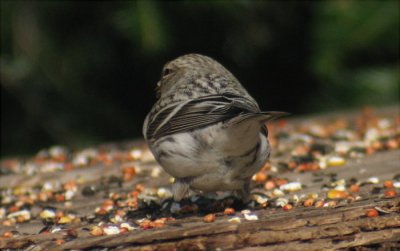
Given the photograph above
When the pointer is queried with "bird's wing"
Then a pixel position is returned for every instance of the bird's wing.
(200, 112)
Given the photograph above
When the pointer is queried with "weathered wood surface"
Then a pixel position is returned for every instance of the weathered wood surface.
(299, 229)
(302, 228)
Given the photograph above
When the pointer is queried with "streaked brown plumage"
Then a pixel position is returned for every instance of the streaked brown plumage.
(205, 129)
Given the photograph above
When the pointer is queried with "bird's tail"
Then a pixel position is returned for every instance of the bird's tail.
(271, 115)
(261, 117)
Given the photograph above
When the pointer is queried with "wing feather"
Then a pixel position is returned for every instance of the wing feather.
(200, 112)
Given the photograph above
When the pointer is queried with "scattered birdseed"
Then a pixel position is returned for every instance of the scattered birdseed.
(373, 180)
(229, 211)
(164, 193)
(155, 172)
(96, 231)
(21, 216)
(371, 213)
(56, 230)
(340, 188)
(291, 187)
(355, 188)
(250, 217)
(287, 207)
(127, 226)
(8, 234)
(111, 230)
(136, 154)
(336, 161)
(331, 203)
(122, 200)
(309, 202)
(65, 220)
(260, 177)
(388, 184)
(319, 203)
(260, 199)
(336, 194)
(47, 214)
(209, 218)
(278, 193)
(235, 220)
(281, 202)
(390, 193)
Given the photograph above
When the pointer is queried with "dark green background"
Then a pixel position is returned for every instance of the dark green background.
(79, 73)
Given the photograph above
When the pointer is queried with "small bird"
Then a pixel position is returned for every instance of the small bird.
(205, 130)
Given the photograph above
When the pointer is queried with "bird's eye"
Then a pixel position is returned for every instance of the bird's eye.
(166, 72)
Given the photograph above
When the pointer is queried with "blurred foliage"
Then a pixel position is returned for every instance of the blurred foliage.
(357, 53)
(78, 73)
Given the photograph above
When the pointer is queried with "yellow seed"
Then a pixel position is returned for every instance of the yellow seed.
(337, 194)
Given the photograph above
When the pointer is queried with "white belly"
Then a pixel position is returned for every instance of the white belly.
(214, 158)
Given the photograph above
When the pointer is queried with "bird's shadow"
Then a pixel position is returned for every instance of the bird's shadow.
(193, 206)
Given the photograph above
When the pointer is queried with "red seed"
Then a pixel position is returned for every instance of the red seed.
(287, 207)
(128, 173)
(355, 188)
(388, 183)
(229, 211)
(146, 224)
(108, 203)
(371, 213)
(60, 197)
(13, 209)
(390, 193)
(209, 218)
(280, 182)
(8, 234)
(101, 211)
(123, 230)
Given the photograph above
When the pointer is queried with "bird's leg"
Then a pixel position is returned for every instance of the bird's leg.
(180, 188)
(244, 193)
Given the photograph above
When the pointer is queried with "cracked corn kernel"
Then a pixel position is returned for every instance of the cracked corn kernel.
(308, 202)
(337, 194)
(96, 231)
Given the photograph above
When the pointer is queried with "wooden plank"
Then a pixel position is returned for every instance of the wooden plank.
(344, 225)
